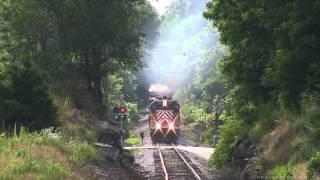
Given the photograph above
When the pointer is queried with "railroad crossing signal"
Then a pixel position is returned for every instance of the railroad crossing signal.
(122, 110)
(120, 117)
(119, 114)
(217, 122)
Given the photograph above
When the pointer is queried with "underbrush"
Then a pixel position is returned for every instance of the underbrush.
(197, 124)
(43, 155)
(229, 133)
(285, 138)
(133, 140)
(314, 167)
(282, 172)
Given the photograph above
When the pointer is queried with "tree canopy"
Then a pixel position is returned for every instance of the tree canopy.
(274, 46)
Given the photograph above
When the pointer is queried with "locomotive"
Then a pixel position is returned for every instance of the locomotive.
(164, 117)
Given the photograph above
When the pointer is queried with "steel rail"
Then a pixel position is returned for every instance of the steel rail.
(186, 163)
(166, 176)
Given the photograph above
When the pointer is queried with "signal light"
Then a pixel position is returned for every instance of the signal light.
(165, 102)
(119, 117)
(115, 110)
(216, 122)
(122, 110)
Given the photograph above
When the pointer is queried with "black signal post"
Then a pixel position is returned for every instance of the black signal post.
(217, 121)
(119, 115)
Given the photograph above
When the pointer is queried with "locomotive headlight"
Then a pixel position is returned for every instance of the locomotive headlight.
(170, 126)
(158, 126)
(164, 103)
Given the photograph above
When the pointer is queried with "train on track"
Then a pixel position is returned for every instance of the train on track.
(164, 117)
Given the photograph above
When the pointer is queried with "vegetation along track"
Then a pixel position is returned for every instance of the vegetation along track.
(172, 164)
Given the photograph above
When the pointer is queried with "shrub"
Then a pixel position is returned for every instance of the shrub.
(132, 140)
(282, 172)
(133, 111)
(229, 133)
(25, 99)
(314, 166)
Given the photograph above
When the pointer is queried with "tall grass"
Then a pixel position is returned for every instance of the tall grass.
(43, 155)
(282, 172)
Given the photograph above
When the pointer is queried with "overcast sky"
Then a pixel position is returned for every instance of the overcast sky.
(160, 5)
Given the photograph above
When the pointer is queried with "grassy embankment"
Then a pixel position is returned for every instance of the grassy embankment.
(287, 142)
(47, 154)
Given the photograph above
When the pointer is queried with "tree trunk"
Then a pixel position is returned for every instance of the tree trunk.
(98, 91)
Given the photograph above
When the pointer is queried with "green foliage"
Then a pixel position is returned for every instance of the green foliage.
(79, 152)
(123, 83)
(191, 113)
(272, 68)
(132, 111)
(125, 158)
(273, 49)
(42, 155)
(83, 39)
(229, 133)
(314, 166)
(282, 172)
(132, 140)
(25, 98)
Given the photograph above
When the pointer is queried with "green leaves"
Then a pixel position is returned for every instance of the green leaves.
(25, 98)
(272, 45)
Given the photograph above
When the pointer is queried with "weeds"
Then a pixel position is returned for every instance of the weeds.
(314, 166)
(282, 172)
(133, 140)
(43, 155)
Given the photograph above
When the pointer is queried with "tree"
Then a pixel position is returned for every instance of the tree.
(25, 98)
(103, 37)
(273, 49)
(93, 38)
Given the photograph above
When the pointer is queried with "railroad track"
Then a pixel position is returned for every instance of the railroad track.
(171, 164)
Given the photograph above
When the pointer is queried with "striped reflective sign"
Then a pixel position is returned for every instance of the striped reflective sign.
(164, 115)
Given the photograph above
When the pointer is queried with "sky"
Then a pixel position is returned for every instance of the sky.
(160, 5)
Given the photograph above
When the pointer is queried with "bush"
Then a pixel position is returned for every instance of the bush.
(126, 158)
(229, 133)
(314, 166)
(133, 111)
(282, 172)
(132, 140)
(25, 99)
(192, 113)
(198, 121)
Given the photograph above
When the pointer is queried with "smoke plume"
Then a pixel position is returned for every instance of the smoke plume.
(185, 38)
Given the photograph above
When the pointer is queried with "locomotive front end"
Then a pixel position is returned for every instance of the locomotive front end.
(164, 120)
